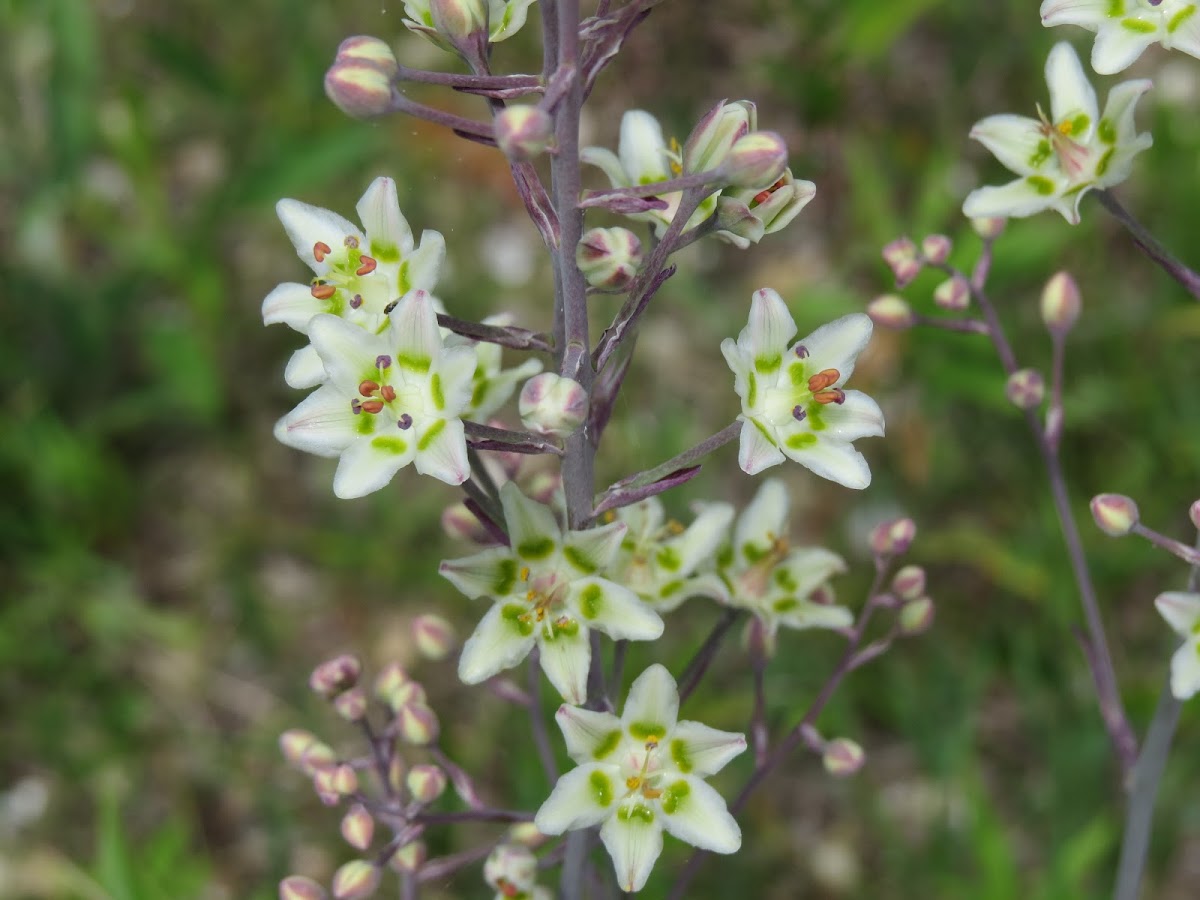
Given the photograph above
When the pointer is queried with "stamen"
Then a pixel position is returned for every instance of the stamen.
(356, 301)
(801, 351)
(823, 379)
(833, 395)
(323, 291)
(651, 793)
(373, 406)
(368, 388)
(351, 242)
(799, 413)
(383, 361)
(633, 782)
(355, 406)
(321, 250)
(524, 573)
(388, 393)
(404, 422)
(367, 267)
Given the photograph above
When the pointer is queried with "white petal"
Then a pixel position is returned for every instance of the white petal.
(1090, 14)
(308, 225)
(858, 417)
(293, 305)
(414, 332)
(508, 19)
(699, 750)
(304, 369)
(441, 451)
(491, 572)
(607, 162)
(1117, 48)
(1016, 199)
(836, 460)
(768, 331)
(323, 423)
(1180, 609)
(816, 615)
(1186, 37)
(454, 369)
(593, 550)
(591, 736)
(808, 568)
(531, 526)
(652, 706)
(347, 351)
(696, 814)
(499, 642)
(615, 610)
(387, 230)
(763, 521)
(1014, 140)
(370, 463)
(742, 365)
(755, 450)
(1185, 670)
(578, 799)
(1119, 108)
(565, 660)
(1070, 91)
(642, 150)
(644, 519)
(700, 542)
(634, 845)
(422, 267)
(837, 344)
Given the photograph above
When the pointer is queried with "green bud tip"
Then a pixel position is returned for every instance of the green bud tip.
(1115, 514)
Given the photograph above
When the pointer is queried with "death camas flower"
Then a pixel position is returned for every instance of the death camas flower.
(793, 403)
(1125, 28)
(1182, 612)
(546, 591)
(1061, 158)
(392, 399)
(641, 774)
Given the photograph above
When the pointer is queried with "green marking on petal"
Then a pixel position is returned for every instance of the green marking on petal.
(1107, 131)
(762, 429)
(725, 557)
(785, 605)
(601, 786)
(1102, 165)
(674, 796)
(1138, 26)
(636, 814)
(1179, 18)
(679, 753)
(751, 389)
(645, 731)
(518, 618)
(816, 417)
(1116, 8)
(365, 423)
(753, 553)
(1043, 152)
(506, 577)
(669, 559)
(385, 253)
(389, 444)
(607, 744)
(591, 599)
(768, 363)
(784, 578)
(482, 387)
(567, 628)
(797, 372)
(1042, 185)
(671, 587)
(413, 362)
(403, 279)
(801, 441)
(535, 548)
(578, 559)
(431, 435)
(1079, 124)
(435, 391)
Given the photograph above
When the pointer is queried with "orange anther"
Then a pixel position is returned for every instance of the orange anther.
(323, 291)
(368, 388)
(388, 393)
(835, 395)
(321, 250)
(823, 379)
(367, 267)
(372, 406)
(651, 793)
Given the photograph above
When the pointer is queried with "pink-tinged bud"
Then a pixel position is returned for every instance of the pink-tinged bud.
(336, 675)
(409, 692)
(1115, 514)
(316, 758)
(511, 867)
(526, 833)
(351, 705)
(936, 249)
(459, 522)
(418, 724)
(1194, 512)
(355, 880)
(297, 887)
(890, 311)
(989, 229)
(903, 259)
(524, 132)
(953, 294)
(542, 486)
(1061, 304)
(340, 780)
(358, 828)
(552, 405)
(756, 160)
(464, 24)
(410, 857)
(893, 537)
(367, 49)
(396, 773)
(909, 583)
(708, 146)
(1025, 389)
(916, 617)
(293, 743)
(390, 678)
(434, 636)
(359, 89)
(425, 783)
(609, 257)
(843, 757)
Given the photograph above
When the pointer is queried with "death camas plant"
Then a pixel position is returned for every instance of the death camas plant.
(564, 575)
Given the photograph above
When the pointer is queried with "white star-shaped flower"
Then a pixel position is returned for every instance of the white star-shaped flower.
(1125, 28)
(1182, 612)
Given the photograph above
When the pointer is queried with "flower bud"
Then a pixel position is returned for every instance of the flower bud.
(418, 724)
(359, 89)
(459, 522)
(340, 780)
(390, 678)
(936, 249)
(297, 887)
(843, 757)
(916, 617)
(1115, 514)
(902, 258)
(336, 675)
(756, 160)
(425, 783)
(510, 867)
(552, 405)
(609, 257)
(316, 758)
(351, 705)
(891, 311)
(709, 144)
(434, 636)
(909, 583)
(459, 20)
(409, 692)
(526, 833)
(1060, 303)
(355, 880)
(893, 537)
(410, 857)
(524, 132)
(989, 229)
(1025, 389)
(358, 827)
(953, 294)
(294, 742)
(371, 50)
(1194, 512)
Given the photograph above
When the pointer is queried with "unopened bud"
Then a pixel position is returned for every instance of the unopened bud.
(293, 743)
(359, 89)
(340, 779)
(358, 827)
(953, 294)
(909, 583)
(1060, 303)
(297, 887)
(390, 678)
(434, 636)
(989, 229)
(459, 20)
(395, 774)
(756, 160)
(843, 757)
(609, 257)
(418, 724)
(336, 675)
(409, 692)
(351, 705)
(355, 880)
(372, 50)
(410, 857)
(459, 522)
(890, 311)
(526, 833)
(552, 405)
(1194, 512)
(904, 261)
(936, 249)
(317, 757)
(1115, 514)
(524, 132)
(708, 146)
(425, 783)
(1025, 389)
(916, 617)
(511, 867)
(893, 537)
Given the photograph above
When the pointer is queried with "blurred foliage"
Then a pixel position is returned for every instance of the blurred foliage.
(170, 574)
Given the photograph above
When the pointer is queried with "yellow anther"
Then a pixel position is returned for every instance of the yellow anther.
(633, 782)
(675, 527)
(651, 793)
(676, 152)
(609, 516)
(524, 573)
(1064, 127)
(652, 744)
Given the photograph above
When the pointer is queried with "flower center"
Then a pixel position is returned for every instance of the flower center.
(546, 595)
(1074, 158)
(385, 393)
(347, 283)
(644, 779)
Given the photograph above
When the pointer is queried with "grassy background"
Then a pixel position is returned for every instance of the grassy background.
(170, 574)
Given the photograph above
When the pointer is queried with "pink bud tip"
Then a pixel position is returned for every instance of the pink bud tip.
(1115, 514)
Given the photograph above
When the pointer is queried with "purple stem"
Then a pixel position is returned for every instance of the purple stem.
(474, 815)
(1149, 245)
(541, 737)
(1183, 551)
(689, 679)
(479, 131)
(505, 335)
(615, 498)
(674, 464)
(683, 182)
(963, 326)
(498, 534)
(485, 437)
(626, 324)
(471, 83)
(439, 867)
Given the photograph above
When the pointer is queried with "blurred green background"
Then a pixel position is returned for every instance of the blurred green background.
(170, 574)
